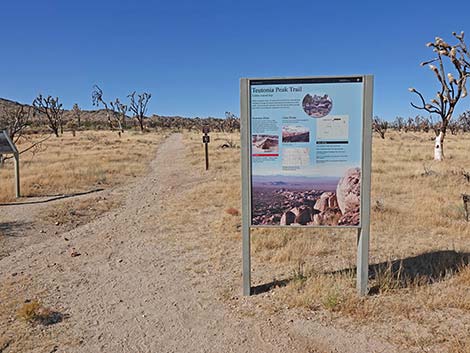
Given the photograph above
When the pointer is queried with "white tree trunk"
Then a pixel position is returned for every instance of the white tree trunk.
(439, 147)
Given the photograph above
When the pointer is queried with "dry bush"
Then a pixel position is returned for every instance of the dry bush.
(34, 312)
(78, 212)
(22, 320)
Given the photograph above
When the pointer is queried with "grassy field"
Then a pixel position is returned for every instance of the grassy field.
(419, 279)
(87, 161)
(419, 297)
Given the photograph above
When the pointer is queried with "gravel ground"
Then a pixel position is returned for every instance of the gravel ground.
(134, 287)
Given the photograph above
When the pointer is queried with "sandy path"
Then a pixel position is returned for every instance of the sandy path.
(140, 285)
(131, 289)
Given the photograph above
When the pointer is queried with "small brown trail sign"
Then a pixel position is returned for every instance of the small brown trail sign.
(206, 139)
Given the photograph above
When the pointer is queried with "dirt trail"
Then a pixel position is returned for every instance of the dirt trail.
(134, 288)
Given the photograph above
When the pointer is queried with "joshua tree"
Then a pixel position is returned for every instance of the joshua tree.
(464, 121)
(115, 111)
(52, 110)
(119, 111)
(232, 122)
(380, 126)
(452, 83)
(398, 123)
(77, 114)
(139, 107)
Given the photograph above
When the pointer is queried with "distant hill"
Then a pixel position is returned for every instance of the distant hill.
(98, 118)
(6, 103)
(87, 115)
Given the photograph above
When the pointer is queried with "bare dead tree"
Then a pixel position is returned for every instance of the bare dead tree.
(115, 111)
(139, 106)
(380, 126)
(452, 88)
(50, 108)
(15, 121)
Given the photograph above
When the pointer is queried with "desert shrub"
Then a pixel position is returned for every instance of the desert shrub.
(34, 312)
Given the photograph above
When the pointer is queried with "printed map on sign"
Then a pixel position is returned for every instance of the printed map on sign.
(333, 128)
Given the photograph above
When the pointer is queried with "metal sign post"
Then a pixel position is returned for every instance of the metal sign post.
(206, 139)
(246, 184)
(307, 141)
(8, 147)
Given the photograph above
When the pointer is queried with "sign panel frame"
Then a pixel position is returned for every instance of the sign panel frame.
(363, 228)
(14, 151)
(5, 138)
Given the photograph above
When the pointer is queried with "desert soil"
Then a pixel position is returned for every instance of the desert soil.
(143, 285)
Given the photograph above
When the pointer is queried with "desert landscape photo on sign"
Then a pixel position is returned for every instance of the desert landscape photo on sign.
(315, 201)
(295, 134)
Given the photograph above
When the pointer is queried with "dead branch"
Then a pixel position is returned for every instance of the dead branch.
(33, 146)
(15, 121)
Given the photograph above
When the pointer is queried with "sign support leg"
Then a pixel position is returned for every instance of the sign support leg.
(362, 275)
(246, 184)
(246, 261)
(17, 174)
(207, 156)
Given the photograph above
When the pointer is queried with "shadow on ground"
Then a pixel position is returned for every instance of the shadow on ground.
(264, 288)
(418, 270)
(13, 229)
(50, 198)
(422, 269)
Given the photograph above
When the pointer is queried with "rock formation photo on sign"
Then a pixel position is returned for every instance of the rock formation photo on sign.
(265, 143)
(317, 106)
(301, 201)
(292, 134)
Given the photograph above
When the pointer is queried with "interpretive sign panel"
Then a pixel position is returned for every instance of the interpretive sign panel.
(306, 157)
(306, 151)
(6, 145)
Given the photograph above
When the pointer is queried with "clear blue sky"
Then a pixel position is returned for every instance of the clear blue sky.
(191, 54)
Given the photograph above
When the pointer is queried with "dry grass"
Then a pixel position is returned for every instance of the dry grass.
(73, 213)
(27, 324)
(72, 164)
(419, 246)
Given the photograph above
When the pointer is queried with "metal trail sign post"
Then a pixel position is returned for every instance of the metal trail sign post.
(306, 158)
(8, 147)
(206, 139)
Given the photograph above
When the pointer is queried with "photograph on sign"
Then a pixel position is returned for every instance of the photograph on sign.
(306, 152)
